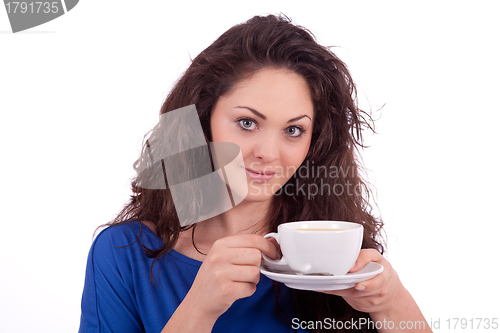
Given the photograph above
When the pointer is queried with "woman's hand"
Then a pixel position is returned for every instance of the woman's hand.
(374, 295)
(384, 297)
(229, 272)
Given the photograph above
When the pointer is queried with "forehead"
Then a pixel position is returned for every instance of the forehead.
(270, 91)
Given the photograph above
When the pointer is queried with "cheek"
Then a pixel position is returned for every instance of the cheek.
(216, 131)
(300, 152)
(246, 150)
(222, 131)
(228, 134)
(294, 159)
(291, 166)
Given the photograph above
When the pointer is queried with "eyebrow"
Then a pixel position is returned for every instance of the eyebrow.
(258, 114)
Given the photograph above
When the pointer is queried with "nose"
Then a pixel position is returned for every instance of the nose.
(267, 148)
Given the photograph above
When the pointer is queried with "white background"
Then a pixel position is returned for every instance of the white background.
(77, 95)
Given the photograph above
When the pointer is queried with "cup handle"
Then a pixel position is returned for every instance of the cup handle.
(280, 261)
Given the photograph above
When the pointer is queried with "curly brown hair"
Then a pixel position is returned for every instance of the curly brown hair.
(275, 42)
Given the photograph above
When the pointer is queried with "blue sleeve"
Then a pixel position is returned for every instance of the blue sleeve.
(108, 302)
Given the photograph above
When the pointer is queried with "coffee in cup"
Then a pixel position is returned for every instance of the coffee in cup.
(318, 246)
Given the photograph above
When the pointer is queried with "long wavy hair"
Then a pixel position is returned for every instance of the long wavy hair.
(332, 164)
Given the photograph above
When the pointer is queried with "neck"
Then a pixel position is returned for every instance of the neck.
(245, 218)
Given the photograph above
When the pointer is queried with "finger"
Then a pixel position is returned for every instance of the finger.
(368, 286)
(348, 293)
(365, 256)
(361, 289)
(245, 256)
(277, 246)
(351, 293)
(244, 273)
(375, 283)
(243, 289)
(254, 241)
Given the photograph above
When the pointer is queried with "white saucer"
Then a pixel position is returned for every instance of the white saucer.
(315, 282)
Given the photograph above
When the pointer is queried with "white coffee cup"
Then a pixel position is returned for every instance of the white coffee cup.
(318, 246)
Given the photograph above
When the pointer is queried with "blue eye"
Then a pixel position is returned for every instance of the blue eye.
(294, 131)
(246, 124)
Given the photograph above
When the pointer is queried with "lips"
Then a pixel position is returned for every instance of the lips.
(260, 175)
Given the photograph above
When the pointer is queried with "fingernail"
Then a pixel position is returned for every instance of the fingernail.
(361, 287)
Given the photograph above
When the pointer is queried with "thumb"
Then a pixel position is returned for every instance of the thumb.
(365, 256)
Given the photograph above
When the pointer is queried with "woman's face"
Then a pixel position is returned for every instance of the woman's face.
(270, 117)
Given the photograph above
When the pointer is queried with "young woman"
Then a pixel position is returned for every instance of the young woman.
(290, 105)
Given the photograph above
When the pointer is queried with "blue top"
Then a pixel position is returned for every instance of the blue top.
(119, 295)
